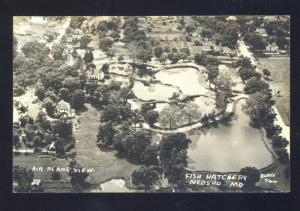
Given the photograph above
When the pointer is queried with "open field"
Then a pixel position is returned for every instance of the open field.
(105, 163)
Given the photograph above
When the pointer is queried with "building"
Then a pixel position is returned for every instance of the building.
(63, 108)
(36, 182)
(272, 48)
(262, 32)
(231, 19)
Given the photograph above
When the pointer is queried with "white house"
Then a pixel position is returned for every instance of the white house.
(63, 108)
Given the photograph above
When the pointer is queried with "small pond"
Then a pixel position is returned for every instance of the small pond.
(153, 92)
(188, 79)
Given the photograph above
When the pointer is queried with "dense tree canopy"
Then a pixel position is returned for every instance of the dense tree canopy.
(35, 50)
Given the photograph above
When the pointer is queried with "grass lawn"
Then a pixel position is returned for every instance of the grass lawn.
(105, 163)
(280, 75)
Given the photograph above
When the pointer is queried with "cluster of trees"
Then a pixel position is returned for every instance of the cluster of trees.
(171, 161)
(178, 114)
(253, 176)
(76, 22)
(40, 133)
(255, 41)
(150, 115)
(132, 31)
(226, 33)
(205, 59)
(209, 119)
(78, 177)
(279, 143)
(109, 28)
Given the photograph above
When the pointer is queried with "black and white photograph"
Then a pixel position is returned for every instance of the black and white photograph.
(151, 104)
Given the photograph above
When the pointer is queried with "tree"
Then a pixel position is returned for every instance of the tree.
(282, 42)
(76, 22)
(279, 142)
(62, 127)
(212, 73)
(37, 141)
(152, 117)
(106, 133)
(55, 175)
(253, 177)
(18, 90)
(23, 177)
(88, 57)
(42, 120)
(59, 147)
(255, 85)
(35, 50)
(174, 57)
(136, 144)
(16, 138)
(40, 92)
(224, 82)
(150, 155)
(50, 106)
(282, 154)
(158, 51)
(147, 107)
(120, 58)
(244, 62)
(173, 156)
(246, 73)
(144, 55)
(259, 108)
(105, 68)
(257, 21)
(266, 72)
(24, 120)
(105, 43)
(164, 58)
(78, 176)
(205, 59)
(255, 41)
(57, 51)
(115, 35)
(221, 101)
(145, 176)
(64, 94)
(78, 99)
(84, 41)
(116, 113)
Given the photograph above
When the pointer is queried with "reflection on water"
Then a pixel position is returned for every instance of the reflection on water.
(187, 79)
(229, 148)
(153, 92)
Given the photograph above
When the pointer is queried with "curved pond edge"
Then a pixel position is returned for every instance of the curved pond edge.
(266, 169)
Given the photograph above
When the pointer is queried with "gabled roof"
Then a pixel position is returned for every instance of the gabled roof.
(63, 105)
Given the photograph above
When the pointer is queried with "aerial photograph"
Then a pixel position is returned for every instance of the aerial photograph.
(153, 104)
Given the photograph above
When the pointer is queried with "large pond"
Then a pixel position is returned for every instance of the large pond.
(229, 148)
